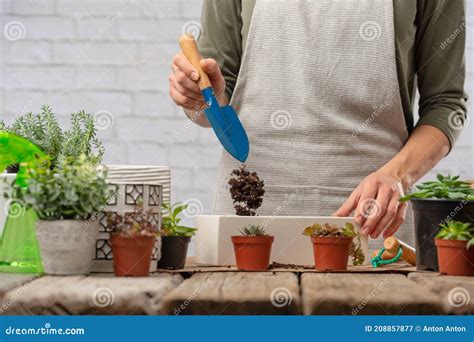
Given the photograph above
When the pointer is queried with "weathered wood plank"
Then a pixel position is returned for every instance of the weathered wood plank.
(9, 281)
(16, 284)
(91, 295)
(457, 293)
(366, 294)
(192, 267)
(235, 293)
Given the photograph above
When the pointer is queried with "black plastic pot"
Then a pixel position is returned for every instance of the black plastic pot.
(429, 214)
(173, 252)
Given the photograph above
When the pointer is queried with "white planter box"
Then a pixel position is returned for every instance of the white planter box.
(213, 245)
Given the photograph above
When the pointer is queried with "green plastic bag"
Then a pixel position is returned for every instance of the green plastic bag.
(19, 249)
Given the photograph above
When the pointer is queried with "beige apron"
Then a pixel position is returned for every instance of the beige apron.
(319, 97)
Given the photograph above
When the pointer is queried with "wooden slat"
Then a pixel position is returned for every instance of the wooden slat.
(91, 295)
(191, 267)
(366, 294)
(457, 293)
(10, 281)
(16, 284)
(235, 293)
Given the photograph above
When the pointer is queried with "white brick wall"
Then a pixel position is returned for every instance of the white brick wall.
(115, 55)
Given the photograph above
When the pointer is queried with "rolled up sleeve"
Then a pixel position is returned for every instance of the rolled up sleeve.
(439, 59)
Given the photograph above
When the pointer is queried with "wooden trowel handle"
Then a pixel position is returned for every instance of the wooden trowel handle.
(190, 50)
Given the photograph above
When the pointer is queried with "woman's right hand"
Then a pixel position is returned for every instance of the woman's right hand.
(184, 89)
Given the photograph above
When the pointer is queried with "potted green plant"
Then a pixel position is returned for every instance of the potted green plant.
(65, 199)
(454, 243)
(175, 238)
(252, 248)
(132, 239)
(332, 245)
(43, 130)
(435, 203)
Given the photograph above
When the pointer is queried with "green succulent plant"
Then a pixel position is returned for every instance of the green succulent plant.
(333, 230)
(171, 222)
(253, 230)
(446, 187)
(76, 189)
(44, 131)
(456, 230)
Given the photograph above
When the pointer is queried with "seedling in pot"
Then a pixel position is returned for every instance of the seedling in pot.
(252, 248)
(253, 230)
(133, 238)
(246, 190)
(434, 202)
(455, 247)
(175, 237)
(333, 244)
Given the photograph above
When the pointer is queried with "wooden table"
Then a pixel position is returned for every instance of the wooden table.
(394, 290)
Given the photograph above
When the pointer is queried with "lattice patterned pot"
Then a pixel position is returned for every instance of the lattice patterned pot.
(127, 196)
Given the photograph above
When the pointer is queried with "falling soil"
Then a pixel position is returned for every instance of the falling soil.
(246, 190)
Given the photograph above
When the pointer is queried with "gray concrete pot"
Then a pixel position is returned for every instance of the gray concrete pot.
(67, 246)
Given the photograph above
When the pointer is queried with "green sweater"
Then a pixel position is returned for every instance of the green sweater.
(429, 38)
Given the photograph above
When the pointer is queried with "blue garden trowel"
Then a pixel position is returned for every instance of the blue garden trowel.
(224, 120)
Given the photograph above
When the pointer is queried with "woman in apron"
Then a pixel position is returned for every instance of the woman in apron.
(325, 90)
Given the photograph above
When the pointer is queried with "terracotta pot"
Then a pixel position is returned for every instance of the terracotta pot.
(174, 250)
(454, 258)
(132, 254)
(331, 253)
(428, 214)
(252, 252)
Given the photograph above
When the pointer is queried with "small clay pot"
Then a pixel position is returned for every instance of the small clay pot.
(132, 254)
(428, 214)
(454, 258)
(252, 252)
(173, 252)
(331, 253)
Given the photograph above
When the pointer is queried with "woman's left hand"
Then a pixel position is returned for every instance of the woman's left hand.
(376, 205)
